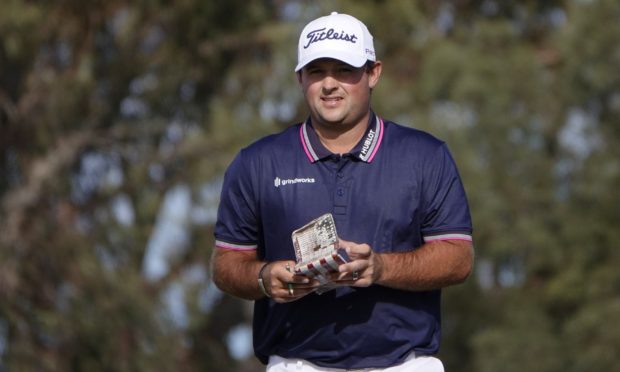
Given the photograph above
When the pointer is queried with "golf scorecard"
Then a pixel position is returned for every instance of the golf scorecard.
(316, 251)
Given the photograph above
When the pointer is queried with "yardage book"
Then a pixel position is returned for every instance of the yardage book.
(316, 250)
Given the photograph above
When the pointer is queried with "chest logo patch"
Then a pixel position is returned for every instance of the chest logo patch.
(277, 182)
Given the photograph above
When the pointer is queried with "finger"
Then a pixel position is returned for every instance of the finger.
(287, 293)
(348, 276)
(300, 279)
(288, 275)
(293, 293)
(354, 250)
(306, 286)
(289, 267)
(344, 243)
(350, 267)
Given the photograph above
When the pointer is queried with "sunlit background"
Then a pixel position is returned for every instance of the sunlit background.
(118, 119)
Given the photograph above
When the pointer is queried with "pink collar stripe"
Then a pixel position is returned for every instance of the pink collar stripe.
(305, 142)
(379, 127)
(373, 140)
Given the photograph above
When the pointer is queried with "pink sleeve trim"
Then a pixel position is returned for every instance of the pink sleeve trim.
(436, 238)
(235, 247)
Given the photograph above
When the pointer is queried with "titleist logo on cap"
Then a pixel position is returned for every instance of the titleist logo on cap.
(337, 36)
(320, 34)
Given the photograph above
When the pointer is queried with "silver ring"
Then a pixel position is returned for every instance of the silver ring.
(355, 275)
(290, 289)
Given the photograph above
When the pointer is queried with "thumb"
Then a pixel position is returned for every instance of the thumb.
(354, 250)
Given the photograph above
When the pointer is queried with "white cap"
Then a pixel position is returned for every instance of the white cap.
(338, 36)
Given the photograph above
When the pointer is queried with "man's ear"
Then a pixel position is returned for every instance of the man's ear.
(374, 73)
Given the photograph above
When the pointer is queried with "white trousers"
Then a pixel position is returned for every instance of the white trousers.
(411, 364)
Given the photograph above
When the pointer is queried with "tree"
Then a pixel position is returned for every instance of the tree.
(106, 111)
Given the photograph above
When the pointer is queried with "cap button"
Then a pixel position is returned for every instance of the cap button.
(334, 13)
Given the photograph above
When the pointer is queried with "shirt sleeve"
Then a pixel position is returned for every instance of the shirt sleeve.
(237, 223)
(445, 208)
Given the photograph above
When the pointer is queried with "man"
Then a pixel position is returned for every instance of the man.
(398, 205)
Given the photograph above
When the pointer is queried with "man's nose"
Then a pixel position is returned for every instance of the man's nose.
(329, 83)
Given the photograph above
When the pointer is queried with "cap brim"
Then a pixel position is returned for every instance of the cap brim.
(350, 59)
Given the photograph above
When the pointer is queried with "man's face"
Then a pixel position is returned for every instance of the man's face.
(338, 94)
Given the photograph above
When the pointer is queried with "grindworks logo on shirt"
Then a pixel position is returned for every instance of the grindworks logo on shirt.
(277, 182)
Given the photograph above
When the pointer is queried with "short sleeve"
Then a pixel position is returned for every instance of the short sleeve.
(445, 208)
(237, 222)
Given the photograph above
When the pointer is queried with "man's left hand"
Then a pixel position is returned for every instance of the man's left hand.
(364, 268)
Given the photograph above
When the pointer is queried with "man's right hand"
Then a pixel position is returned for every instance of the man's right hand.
(283, 285)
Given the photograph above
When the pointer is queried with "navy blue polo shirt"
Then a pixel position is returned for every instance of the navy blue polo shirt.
(396, 190)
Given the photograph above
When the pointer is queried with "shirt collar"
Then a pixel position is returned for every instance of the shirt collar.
(365, 150)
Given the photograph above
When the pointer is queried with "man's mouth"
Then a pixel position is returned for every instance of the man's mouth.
(331, 99)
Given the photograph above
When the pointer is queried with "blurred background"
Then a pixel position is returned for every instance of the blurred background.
(118, 118)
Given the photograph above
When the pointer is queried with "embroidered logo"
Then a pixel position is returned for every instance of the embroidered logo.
(331, 34)
(368, 142)
(277, 182)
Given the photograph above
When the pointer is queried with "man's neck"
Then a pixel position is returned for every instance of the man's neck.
(341, 139)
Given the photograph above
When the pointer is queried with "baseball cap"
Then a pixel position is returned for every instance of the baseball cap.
(338, 36)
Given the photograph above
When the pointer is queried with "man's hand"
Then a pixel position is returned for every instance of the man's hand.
(236, 273)
(365, 267)
(432, 266)
(283, 285)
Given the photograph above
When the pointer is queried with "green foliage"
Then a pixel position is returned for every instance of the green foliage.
(524, 340)
(103, 110)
